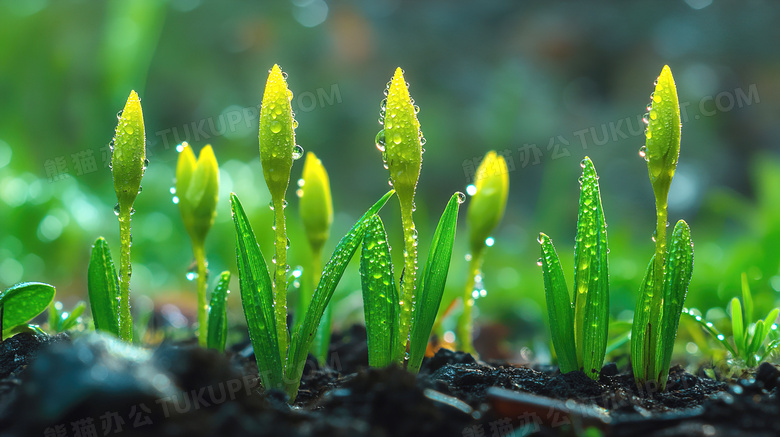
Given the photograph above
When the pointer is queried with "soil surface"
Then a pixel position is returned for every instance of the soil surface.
(96, 386)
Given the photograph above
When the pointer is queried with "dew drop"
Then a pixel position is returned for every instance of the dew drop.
(490, 241)
(140, 188)
(276, 126)
(416, 109)
(117, 209)
(397, 138)
(173, 190)
(461, 197)
(653, 114)
(175, 200)
(191, 275)
(297, 152)
(380, 140)
(146, 164)
(583, 163)
(539, 262)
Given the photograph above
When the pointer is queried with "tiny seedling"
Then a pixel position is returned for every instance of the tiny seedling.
(580, 325)
(21, 303)
(748, 337)
(316, 210)
(103, 288)
(488, 202)
(663, 289)
(197, 191)
(61, 320)
(401, 322)
(128, 163)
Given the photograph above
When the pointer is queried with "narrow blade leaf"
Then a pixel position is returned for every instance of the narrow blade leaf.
(217, 329)
(431, 286)
(380, 296)
(331, 275)
(737, 327)
(747, 298)
(257, 299)
(642, 329)
(103, 287)
(22, 302)
(591, 276)
(559, 307)
(677, 276)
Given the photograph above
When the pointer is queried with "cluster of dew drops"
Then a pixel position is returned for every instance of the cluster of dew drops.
(651, 114)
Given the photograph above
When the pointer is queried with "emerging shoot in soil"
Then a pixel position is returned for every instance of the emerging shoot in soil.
(197, 188)
(488, 202)
(663, 290)
(579, 328)
(128, 163)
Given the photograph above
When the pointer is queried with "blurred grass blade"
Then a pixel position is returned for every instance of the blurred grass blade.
(257, 300)
(70, 319)
(331, 275)
(380, 296)
(103, 287)
(217, 329)
(737, 328)
(747, 298)
(677, 276)
(591, 276)
(559, 308)
(22, 302)
(759, 335)
(713, 331)
(432, 282)
(642, 329)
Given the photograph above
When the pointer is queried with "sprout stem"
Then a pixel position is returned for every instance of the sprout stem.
(125, 271)
(202, 275)
(658, 286)
(280, 276)
(465, 324)
(410, 271)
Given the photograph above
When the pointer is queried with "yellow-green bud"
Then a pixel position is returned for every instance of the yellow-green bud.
(128, 160)
(489, 201)
(197, 187)
(662, 147)
(277, 133)
(316, 205)
(401, 139)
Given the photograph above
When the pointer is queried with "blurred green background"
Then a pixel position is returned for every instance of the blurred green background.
(544, 84)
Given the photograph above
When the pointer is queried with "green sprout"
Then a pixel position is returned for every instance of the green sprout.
(103, 288)
(197, 188)
(61, 320)
(579, 327)
(401, 143)
(316, 211)
(21, 303)
(128, 163)
(487, 206)
(748, 336)
(663, 289)
(400, 322)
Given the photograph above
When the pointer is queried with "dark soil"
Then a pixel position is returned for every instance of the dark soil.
(95, 386)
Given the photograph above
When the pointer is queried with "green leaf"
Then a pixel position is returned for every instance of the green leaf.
(642, 329)
(677, 276)
(217, 329)
(380, 296)
(331, 275)
(737, 326)
(747, 299)
(559, 308)
(257, 300)
(22, 302)
(713, 331)
(591, 276)
(432, 282)
(103, 287)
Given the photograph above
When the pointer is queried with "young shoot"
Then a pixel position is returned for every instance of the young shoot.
(197, 188)
(488, 202)
(316, 211)
(128, 163)
(748, 336)
(21, 303)
(663, 290)
(579, 326)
